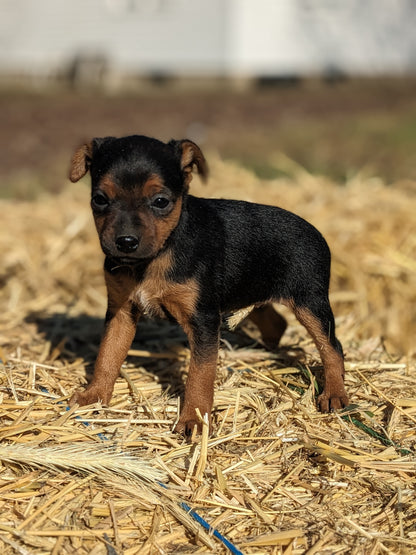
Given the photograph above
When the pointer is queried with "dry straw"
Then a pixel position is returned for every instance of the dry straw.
(276, 476)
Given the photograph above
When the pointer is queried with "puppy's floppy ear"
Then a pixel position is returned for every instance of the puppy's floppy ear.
(190, 155)
(80, 162)
(82, 158)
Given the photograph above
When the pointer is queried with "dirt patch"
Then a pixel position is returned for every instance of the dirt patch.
(336, 130)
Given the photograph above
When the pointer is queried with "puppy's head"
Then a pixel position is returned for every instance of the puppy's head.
(138, 189)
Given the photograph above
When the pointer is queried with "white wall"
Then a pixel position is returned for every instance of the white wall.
(140, 35)
(248, 37)
(314, 36)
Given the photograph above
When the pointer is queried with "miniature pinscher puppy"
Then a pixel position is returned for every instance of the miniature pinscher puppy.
(193, 259)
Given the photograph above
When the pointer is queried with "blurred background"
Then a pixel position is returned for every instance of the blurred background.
(309, 104)
(330, 83)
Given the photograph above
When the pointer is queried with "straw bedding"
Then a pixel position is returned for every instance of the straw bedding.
(276, 476)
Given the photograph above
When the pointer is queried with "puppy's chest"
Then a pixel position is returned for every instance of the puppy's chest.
(156, 295)
(151, 299)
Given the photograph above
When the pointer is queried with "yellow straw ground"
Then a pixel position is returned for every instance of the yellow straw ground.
(276, 476)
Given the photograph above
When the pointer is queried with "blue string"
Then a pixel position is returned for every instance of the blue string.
(214, 531)
(182, 504)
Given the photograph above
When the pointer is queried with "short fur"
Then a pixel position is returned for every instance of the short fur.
(195, 259)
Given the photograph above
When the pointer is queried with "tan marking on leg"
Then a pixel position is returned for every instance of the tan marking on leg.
(334, 395)
(199, 390)
(180, 300)
(118, 336)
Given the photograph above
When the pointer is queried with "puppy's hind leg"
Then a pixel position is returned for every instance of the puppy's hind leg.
(270, 323)
(317, 317)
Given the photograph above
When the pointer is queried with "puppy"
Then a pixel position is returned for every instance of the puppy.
(193, 259)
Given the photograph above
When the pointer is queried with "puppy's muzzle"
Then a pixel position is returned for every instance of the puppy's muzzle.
(127, 243)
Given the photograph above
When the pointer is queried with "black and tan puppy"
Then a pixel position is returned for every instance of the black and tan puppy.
(193, 259)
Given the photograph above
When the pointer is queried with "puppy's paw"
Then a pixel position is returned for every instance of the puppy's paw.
(90, 396)
(190, 426)
(333, 399)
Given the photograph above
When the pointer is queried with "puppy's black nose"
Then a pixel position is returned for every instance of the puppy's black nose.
(127, 243)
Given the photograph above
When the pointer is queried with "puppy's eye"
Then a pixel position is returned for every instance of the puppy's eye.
(160, 203)
(99, 201)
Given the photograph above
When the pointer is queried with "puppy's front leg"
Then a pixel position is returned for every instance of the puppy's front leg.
(199, 391)
(120, 328)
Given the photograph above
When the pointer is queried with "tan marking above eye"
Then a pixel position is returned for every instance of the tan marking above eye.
(153, 185)
(108, 187)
